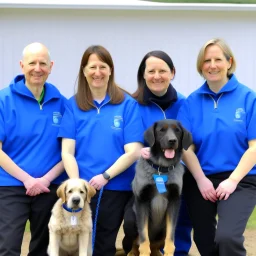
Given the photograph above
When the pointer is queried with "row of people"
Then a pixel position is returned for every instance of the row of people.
(98, 134)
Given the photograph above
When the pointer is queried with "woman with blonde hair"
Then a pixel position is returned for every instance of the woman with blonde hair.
(221, 115)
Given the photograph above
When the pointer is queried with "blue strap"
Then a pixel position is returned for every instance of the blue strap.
(70, 209)
(95, 219)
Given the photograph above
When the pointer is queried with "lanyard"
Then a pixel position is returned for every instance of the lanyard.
(41, 97)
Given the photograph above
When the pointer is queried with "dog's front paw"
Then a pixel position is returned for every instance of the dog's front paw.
(145, 252)
(169, 249)
(144, 249)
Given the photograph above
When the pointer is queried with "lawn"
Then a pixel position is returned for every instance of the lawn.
(207, 1)
(252, 221)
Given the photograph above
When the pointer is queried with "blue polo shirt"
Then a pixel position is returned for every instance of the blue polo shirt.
(100, 134)
(221, 124)
(152, 112)
(29, 132)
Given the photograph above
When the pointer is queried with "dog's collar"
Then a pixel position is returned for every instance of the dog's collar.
(70, 209)
(161, 169)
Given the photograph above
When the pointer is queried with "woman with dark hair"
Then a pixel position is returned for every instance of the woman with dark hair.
(157, 100)
(100, 143)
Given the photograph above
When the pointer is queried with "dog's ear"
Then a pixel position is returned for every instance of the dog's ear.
(90, 191)
(61, 191)
(187, 139)
(149, 135)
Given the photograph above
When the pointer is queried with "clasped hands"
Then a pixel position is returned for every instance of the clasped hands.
(223, 191)
(36, 186)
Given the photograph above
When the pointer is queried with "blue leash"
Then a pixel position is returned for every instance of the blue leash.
(95, 219)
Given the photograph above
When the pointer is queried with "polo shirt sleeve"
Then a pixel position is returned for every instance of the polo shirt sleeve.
(2, 130)
(133, 127)
(68, 126)
(251, 118)
(183, 116)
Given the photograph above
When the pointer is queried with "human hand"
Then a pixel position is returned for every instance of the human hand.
(34, 187)
(44, 181)
(226, 188)
(207, 190)
(98, 181)
(145, 153)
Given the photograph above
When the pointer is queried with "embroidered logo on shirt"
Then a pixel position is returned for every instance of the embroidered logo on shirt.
(118, 122)
(239, 115)
(56, 118)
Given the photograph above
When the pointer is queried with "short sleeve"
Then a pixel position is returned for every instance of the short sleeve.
(68, 126)
(133, 127)
(2, 129)
(251, 119)
(183, 116)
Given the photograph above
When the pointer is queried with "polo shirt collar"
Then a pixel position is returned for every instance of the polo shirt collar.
(228, 87)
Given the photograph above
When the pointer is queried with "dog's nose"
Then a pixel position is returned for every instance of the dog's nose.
(172, 142)
(76, 200)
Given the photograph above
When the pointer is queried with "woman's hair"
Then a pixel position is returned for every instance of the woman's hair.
(139, 93)
(83, 96)
(226, 51)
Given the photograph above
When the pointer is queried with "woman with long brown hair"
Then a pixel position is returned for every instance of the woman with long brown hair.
(101, 139)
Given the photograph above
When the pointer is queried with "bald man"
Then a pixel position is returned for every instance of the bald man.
(30, 153)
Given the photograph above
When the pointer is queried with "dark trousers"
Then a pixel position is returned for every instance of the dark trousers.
(225, 237)
(15, 209)
(110, 217)
(182, 236)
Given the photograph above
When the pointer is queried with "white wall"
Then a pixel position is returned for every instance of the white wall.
(128, 35)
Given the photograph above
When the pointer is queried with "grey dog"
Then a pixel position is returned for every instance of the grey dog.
(157, 187)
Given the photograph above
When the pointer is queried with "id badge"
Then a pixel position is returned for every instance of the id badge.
(73, 220)
(160, 182)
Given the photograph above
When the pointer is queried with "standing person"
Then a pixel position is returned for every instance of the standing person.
(221, 115)
(101, 139)
(30, 153)
(158, 100)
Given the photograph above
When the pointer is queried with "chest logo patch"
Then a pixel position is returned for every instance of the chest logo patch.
(239, 114)
(56, 118)
(118, 122)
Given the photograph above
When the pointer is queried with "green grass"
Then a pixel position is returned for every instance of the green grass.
(207, 1)
(252, 221)
(27, 229)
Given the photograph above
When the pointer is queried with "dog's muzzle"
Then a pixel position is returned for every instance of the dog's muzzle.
(76, 201)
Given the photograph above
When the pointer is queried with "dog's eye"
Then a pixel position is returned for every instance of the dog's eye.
(81, 191)
(177, 129)
(70, 191)
(162, 129)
